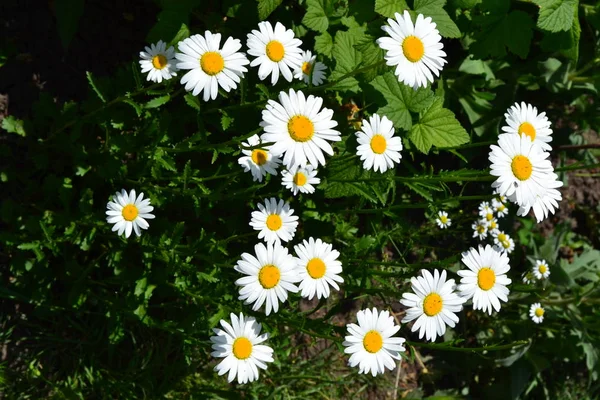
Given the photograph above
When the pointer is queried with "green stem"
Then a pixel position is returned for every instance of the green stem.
(345, 76)
(436, 346)
(210, 146)
(576, 167)
(418, 205)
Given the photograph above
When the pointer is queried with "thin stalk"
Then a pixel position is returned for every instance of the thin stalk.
(437, 346)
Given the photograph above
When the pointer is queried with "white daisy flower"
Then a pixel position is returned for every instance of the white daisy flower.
(500, 208)
(311, 70)
(480, 229)
(370, 343)
(433, 304)
(158, 62)
(415, 50)
(524, 119)
(377, 145)
(522, 169)
(299, 129)
(300, 179)
(128, 213)
(210, 66)
(506, 246)
(528, 278)
(318, 268)
(500, 198)
(492, 225)
(258, 161)
(270, 276)
(276, 50)
(442, 220)
(239, 343)
(485, 281)
(545, 204)
(541, 270)
(275, 221)
(536, 312)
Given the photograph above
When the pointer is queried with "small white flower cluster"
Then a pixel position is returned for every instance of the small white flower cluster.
(487, 224)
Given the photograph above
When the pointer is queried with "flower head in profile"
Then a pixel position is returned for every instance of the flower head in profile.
(258, 161)
(536, 312)
(277, 51)
(129, 213)
(442, 220)
(241, 345)
(414, 49)
(158, 62)
(433, 304)
(299, 128)
(210, 65)
(371, 343)
(270, 275)
(378, 148)
(485, 279)
(311, 70)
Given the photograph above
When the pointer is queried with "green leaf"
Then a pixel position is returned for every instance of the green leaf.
(565, 43)
(556, 15)
(136, 106)
(183, 33)
(158, 101)
(170, 20)
(435, 10)
(513, 31)
(266, 7)
(192, 101)
(317, 12)
(226, 121)
(324, 44)
(388, 8)
(94, 86)
(347, 59)
(12, 125)
(68, 13)
(401, 99)
(438, 127)
(371, 54)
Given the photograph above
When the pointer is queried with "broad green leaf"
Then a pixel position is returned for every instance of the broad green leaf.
(316, 14)
(158, 101)
(565, 43)
(170, 20)
(513, 31)
(68, 13)
(371, 54)
(347, 59)
(183, 33)
(435, 10)
(12, 125)
(388, 8)
(401, 99)
(556, 15)
(266, 7)
(192, 101)
(324, 44)
(438, 127)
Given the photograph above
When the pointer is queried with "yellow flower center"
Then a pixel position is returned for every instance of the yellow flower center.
(542, 269)
(489, 216)
(316, 268)
(413, 48)
(539, 312)
(501, 237)
(493, 225)
(443, 219)
(505, 244)
(212, 62)
(130, 212)
(259, 157)
(269, 276)
(521, 167)
(242, 348)
(274, 222)
(480, 228)
(300, 179)
(527, 129)
(159, 61)
(486, 278)
(307, 67)
(373, 342)
(378, 144)
(501, 207)
(432, 304)
(300, 128)
(275, 51)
